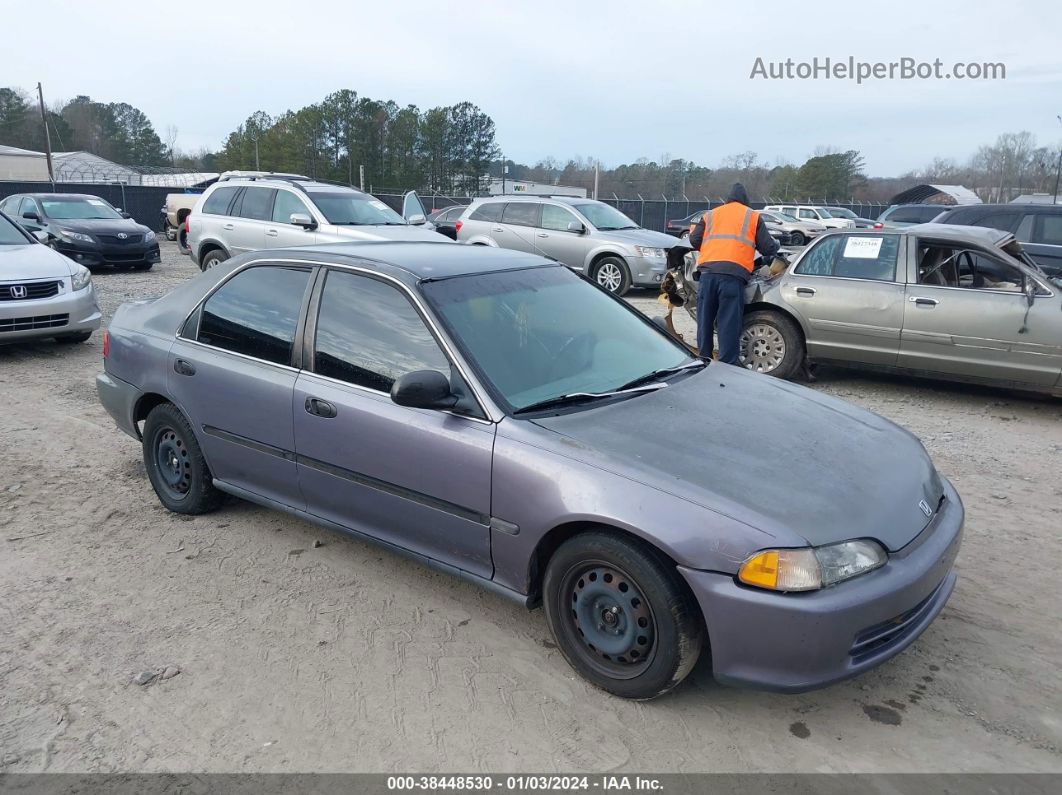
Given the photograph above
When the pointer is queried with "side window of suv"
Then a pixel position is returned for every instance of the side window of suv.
(521, 213)
(287, 205)
(257, 204)
(256, 313)
(218, 202)
(554, 217)
(490, 211)
(369, 334)
(1049, 230)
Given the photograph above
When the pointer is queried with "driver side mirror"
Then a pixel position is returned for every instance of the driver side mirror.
(32, 216)
(303, 220)
(576, 226)
(423, 389)
(417, 219)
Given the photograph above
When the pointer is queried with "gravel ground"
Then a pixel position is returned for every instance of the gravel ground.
(263, 651)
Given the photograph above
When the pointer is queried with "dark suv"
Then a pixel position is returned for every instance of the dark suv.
(1037, 226)
(86, 228)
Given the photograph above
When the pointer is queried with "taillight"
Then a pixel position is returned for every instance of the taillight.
(879, 225)
(458, 225)
(106, 344)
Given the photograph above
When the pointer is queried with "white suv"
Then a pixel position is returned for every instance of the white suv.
(810, 212)
(252, 211)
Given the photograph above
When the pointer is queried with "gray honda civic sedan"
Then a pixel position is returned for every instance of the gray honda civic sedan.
(494, 414)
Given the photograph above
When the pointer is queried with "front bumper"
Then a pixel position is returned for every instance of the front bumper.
(119, 398)
(800, 641)
(647, 271)
(89, 254)
(65, 313)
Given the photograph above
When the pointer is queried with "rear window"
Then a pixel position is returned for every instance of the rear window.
(491, 211)
(217, 203)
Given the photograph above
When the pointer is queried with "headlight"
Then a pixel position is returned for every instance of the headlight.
(149, 237)
(647, 251)
(82, 278)
(69, 235)
(811, 568)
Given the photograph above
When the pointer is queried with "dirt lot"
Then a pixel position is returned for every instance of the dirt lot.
(340, 657)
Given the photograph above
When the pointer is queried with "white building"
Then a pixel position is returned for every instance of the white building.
(23, 165)
(519, 186)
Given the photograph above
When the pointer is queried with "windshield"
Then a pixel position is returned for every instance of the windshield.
(840, 212)
(604, 217)
(355, 209)
(81, 209)
(9, 234)
(540, 333)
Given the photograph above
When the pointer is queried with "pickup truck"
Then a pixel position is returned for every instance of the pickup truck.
(178, 205)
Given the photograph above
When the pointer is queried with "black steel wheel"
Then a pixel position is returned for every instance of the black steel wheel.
(621, 615)
(175, 464)
(797, 239)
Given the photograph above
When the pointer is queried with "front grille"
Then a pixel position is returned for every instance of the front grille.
(30, 323)
(881, 637)
(33, 290)
(114, 240)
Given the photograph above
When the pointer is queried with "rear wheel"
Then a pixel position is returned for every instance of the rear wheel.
(613, 274)
(175, 464)
(621, 615)
(212, 258)
(797, 239)
(771, 344)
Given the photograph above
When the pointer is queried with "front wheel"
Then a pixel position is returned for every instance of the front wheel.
(175, 464)
(621, 615)
(613, 274)
(771, 344)
(797, 239)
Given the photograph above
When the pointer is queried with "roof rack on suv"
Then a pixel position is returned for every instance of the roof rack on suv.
(296, 180)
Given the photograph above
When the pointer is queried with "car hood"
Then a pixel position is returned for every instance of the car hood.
(779, 457)
(410, 232)
(639, 237)
(33, 261)
(100, 226)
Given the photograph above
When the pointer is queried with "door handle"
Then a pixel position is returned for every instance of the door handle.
(320, 408)
(542, 234)
(271, 233)
(181, 367)
(497, 229)
(228, 227)
(805, 291)
(917, 299)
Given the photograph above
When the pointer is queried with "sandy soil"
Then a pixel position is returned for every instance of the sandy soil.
(291, 656)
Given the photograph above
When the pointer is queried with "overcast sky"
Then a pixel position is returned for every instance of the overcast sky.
(614, 80)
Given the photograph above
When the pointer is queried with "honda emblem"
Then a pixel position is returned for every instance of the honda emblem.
(925, 507)
(18, 291)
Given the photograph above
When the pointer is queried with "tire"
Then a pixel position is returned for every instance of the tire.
(70, 339)
(771, 344)
(175, 464)
(654, 639)
(797, 239)
(170, 232)
(612, 274)
(213, 258)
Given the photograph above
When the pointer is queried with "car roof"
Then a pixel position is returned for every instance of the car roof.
(984, 235)
(61, 196)
(1012, 208)
(421, 260)
(506, 197)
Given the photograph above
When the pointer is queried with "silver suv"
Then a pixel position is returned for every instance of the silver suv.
(588, 236)
(250, 211)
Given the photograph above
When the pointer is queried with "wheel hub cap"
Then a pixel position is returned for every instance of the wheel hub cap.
(609, 277)
(171, 456)
(762, 348)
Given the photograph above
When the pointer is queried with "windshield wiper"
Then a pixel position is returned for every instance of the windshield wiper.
(661, 373)
(573, 398)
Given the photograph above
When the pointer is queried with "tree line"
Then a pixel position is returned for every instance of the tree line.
(116, 131)
(446, 149)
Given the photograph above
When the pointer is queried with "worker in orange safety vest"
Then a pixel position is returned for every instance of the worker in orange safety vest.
(726, 240)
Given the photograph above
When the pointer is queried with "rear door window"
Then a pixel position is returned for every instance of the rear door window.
(853, 257)
(1049, 230)
(256, 313)
(522, 213)
(1004, 221)
(491, 211)
(218, 202)
(257, 204)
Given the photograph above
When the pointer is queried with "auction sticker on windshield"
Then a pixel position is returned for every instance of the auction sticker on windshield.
(862, 247)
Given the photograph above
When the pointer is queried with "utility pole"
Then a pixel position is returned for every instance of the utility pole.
(597, 169)
(47, 136)
(361, 176)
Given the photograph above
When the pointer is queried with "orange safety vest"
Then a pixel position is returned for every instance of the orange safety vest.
(730, 235)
